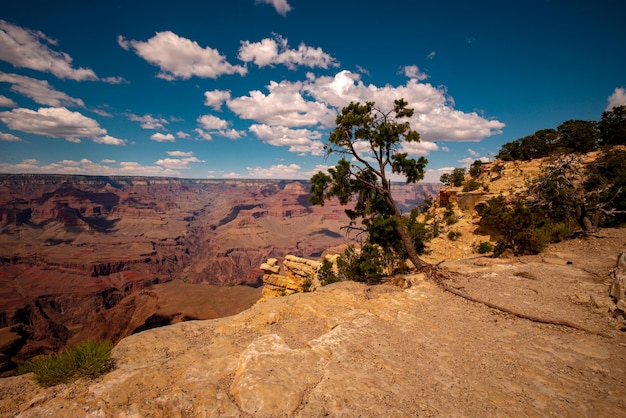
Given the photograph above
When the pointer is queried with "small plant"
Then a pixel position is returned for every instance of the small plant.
(326, 273)
(454, 235)
(484, 247)
(361, 266)
(306, 285)
(448, 216)
(89, 358)
(471, 185)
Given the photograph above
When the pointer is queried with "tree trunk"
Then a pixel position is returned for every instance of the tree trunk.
(403, 231)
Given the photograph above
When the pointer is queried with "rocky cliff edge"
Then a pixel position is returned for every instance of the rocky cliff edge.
(352, 350)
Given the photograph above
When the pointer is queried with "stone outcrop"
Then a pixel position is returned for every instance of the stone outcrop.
(300, 274)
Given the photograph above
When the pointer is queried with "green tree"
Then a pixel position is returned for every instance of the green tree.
(456, 178)
(476, 168)
(578, 135)
(371, 138)
(613, 126)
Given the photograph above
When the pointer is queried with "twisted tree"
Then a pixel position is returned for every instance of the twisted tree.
(369, 141)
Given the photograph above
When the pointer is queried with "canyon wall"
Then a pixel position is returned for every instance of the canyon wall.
(73, 248)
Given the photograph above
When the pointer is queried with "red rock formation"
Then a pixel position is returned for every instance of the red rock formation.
(73, 247)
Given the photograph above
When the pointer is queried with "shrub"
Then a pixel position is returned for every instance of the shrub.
(471, 185)
(326, 273)
(361, 266)
(454, 235)
(453, 179)
(484, 247)
(448, 216)
(89, 358)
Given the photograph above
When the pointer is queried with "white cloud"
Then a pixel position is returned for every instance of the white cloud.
(276, 51)
(181, 134)
(181, 58)
(109, 140)
(159, 137)
(301, 141)
(211, 122)
(618, 98)
(203, 134)
(56, 122)
(472, 153)
(25, 48)
(421, 148)
(178, 163)
(148, 121)
(216, 98)
(6, 102)
(435, 117)
(211, 125)
(39, 90)
(284, 106)
(413, 71)
(280, 171)
(101, 112)
(9, 137)
(87, 167)
(180, 154)
(281, 6)
(431, 55)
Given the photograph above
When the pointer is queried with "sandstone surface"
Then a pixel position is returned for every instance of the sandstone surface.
(352, 350)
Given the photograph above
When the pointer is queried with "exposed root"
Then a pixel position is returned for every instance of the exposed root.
(439, 276)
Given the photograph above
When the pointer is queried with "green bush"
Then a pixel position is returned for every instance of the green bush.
(361, 266)
(484, 247)
(471, 185)
(89, 358)
(326, 274)
(454, 235)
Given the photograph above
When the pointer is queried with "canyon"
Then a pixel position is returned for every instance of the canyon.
(105, 257)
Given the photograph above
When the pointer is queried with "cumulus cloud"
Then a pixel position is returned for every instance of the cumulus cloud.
(316, 101)
(285, 105)
(6, 102)
(211, 125)
(279, 171)
(413, 71)
(281, 6)
(181, 134)
(39, 90)
(435, 117)
(159, 137)
(178, 163)
(85, 166)
(180, 154)
(25, 48)
(431, 55)
(181, 58)
(276, 51)
(472, 153)
(55, 122)
(109, 140)
(148, 121)
(301, 141)
(9, 137)
(216, 98)
(618, 98)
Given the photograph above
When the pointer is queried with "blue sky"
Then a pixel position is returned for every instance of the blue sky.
(250, 89)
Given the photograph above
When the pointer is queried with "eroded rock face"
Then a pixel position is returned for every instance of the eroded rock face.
(298, 273)
(73, 247)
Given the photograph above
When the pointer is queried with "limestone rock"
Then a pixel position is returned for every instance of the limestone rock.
(300, 274)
